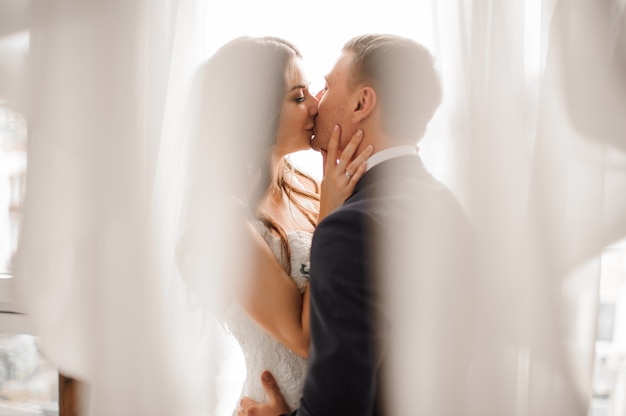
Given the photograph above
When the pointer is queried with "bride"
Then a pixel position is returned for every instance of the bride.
(255, 99)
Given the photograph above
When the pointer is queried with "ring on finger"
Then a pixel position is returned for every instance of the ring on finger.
(348, 174)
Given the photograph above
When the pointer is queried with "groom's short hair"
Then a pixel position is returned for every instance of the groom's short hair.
(402, 72)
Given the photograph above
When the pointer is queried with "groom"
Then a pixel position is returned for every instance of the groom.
(391, 291)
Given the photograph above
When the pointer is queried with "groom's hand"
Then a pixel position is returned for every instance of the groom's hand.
(275, 406)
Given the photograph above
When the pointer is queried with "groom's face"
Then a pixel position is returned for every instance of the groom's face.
(335, 103)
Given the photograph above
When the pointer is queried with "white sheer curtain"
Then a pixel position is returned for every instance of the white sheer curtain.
(531, 136)
(536, 115)
(105, 79)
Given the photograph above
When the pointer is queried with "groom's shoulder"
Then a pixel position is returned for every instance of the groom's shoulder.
(348, 214)
(350, 218)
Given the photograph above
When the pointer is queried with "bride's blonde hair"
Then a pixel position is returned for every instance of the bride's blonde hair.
(283, 178)
(242, 92)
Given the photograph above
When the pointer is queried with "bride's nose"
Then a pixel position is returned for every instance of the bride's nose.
(313, 108)
(314, 104)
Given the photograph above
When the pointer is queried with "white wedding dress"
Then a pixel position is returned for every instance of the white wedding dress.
(261, 351)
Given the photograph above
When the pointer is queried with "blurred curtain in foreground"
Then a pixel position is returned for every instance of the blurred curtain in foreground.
(103, 79)
(535, 109)
(535, 143)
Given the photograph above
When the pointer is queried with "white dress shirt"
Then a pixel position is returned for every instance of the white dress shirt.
(390, 153)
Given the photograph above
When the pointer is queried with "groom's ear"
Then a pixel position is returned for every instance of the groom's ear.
(365, 103)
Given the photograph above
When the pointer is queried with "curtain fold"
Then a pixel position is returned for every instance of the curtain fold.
(535, 141)
(85, 268)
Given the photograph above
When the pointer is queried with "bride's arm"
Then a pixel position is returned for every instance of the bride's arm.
(270, 298)
(260, 287)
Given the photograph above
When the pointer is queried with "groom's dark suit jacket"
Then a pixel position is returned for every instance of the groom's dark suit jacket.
(400, 230)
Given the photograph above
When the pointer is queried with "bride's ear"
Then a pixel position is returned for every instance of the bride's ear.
(365, 104)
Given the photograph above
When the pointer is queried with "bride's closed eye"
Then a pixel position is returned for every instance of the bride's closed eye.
(304, 94)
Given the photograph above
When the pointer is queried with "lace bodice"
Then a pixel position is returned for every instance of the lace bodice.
(261, 351)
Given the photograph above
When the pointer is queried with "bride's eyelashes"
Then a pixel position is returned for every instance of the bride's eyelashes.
(302, 96)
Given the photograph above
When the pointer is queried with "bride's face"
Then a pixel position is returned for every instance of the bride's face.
(297, 114)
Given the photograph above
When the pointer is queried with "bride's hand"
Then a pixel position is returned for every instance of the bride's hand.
(340, 177)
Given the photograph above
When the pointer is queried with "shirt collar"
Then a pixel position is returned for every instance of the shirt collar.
(390, 153)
